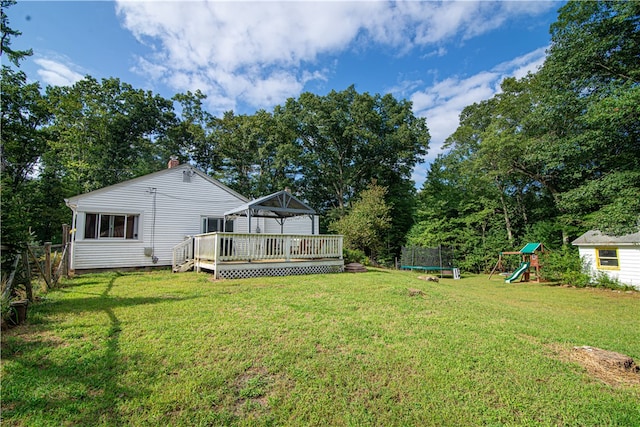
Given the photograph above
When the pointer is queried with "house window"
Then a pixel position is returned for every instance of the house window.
(608, 259)
(108, 226)
(213, 225)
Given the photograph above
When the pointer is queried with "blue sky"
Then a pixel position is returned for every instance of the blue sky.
(247, 55)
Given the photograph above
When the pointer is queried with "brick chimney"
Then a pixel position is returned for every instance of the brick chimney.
(173, 162)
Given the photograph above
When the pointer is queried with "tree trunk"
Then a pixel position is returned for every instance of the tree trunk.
(507, 220)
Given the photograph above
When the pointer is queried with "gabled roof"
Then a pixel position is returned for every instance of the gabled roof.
(277, 205)
(595, 237)
(185, 167)
(530, 248)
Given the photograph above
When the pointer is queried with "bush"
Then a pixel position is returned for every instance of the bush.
(565, 266)
(603, 280)
(354, 255)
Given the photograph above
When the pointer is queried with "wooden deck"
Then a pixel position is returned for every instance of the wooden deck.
(235, 255)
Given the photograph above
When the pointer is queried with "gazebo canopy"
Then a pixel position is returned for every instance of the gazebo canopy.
(280, 206)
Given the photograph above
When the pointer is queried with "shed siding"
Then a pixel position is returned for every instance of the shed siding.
(179, 207)
(629, 260)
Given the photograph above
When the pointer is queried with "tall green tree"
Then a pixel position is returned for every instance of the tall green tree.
(345, 139)
(106, 132)
(23, 143)
(15, 56)
(21, 140)
(366, 222)
(191, 137)
(593, 68)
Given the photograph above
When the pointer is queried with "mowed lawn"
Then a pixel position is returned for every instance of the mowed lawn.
(157, 348)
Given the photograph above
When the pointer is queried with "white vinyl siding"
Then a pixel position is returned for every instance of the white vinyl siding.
(169, 209)
(628, 256)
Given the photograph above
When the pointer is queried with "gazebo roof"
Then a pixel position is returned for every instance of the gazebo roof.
(277, 205)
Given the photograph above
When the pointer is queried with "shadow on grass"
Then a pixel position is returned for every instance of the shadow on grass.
(78, 382)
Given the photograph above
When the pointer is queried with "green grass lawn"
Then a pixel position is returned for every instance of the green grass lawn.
(344, 349)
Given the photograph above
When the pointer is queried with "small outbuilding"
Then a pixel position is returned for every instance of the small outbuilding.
(616, 256)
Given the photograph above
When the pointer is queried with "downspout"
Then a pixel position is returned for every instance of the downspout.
(72, 239)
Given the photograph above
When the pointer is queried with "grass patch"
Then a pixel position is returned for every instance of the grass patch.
(180, 349)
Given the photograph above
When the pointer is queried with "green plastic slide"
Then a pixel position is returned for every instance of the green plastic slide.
(516, 274)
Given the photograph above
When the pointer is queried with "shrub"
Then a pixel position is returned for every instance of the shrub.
(565, 266)
(354, 255)
(603, 280)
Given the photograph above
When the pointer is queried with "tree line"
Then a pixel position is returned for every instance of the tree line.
(553, 154)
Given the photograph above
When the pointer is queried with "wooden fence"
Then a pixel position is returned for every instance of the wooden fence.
(36, 263)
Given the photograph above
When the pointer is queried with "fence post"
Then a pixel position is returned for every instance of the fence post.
(47, 262)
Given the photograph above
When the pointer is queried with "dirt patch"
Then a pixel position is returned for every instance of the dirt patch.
(415, 292)
(250, 389)
(614, 369)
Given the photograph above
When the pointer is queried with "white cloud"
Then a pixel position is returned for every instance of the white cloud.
(260, 53)
(55, 73)
(443, 102)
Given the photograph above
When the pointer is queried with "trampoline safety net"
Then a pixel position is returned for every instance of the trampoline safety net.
(440, 257)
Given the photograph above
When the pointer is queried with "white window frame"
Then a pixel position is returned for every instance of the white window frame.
(98, 229)
(220, 223)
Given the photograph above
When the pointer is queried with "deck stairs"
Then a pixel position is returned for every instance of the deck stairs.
(185, 266)
(183, 256)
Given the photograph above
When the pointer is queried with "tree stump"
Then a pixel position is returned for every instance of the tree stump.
(354, 267)
(606, 360)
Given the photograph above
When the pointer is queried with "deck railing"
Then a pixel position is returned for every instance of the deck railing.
(182, 252)
(227, 247)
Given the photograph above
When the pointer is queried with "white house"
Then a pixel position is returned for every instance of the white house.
(137, 223)
(616, 256)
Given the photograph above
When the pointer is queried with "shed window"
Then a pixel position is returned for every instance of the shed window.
(109, 226)
(607, 258)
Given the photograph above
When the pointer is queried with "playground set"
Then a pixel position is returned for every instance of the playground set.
(438, 259)
(530, 260)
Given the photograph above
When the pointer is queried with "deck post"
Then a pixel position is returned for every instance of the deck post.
(196, 254)
(216, 251)
(287, 245)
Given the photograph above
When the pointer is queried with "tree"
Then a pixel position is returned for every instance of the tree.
(346, 139)
(21, 142)
(106, 132)
(367, 221)
(15, 56)
(593, 66)
(191, 138)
